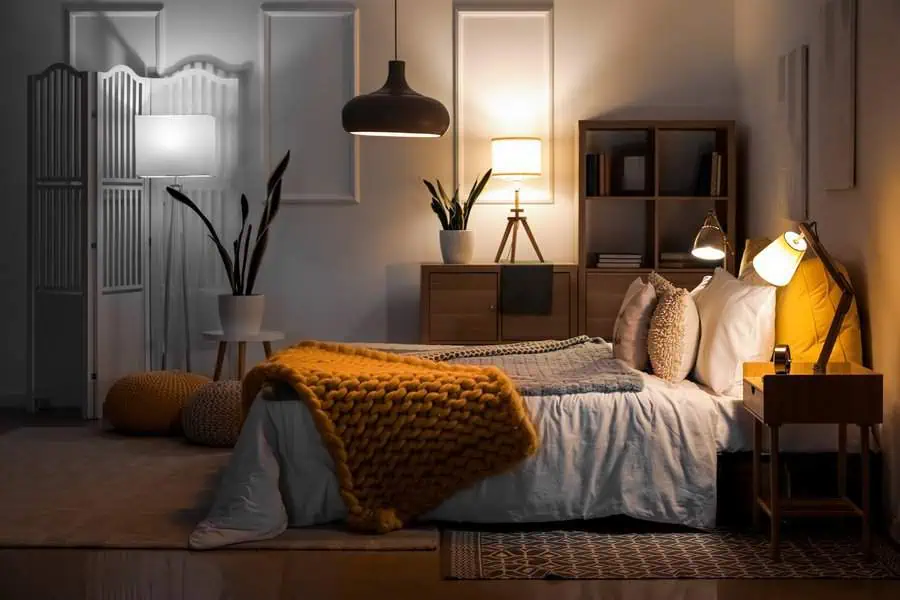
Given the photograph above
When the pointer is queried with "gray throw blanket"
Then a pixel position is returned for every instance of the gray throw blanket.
(574, 366)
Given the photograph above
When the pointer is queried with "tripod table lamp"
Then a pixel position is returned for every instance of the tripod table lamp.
(516, 159)
(173, 146)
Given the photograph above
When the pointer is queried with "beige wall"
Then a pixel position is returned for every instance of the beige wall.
(859, 226)
(351, 272)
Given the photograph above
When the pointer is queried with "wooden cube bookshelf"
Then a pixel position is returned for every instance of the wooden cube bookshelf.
(645, 188)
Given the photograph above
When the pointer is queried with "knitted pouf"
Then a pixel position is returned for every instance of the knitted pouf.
(212, 416)
(150, 402)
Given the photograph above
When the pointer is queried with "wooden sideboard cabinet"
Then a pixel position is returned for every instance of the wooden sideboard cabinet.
(460, 304)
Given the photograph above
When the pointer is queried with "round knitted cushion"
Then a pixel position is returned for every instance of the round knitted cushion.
(212, 416)
(150, 402)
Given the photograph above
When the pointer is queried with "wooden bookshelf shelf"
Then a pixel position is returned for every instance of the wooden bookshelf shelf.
(645, 188)
(665, 197)
(622, 198)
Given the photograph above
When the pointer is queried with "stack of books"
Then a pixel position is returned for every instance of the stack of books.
(618, 261)
(681, 260)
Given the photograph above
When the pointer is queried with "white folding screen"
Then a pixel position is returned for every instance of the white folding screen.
(58, 274)
(94, 296)
(120, 330)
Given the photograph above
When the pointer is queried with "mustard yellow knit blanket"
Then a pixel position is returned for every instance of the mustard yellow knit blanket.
(405, 433)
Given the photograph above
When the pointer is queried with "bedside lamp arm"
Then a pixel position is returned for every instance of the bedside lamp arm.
(844, 304)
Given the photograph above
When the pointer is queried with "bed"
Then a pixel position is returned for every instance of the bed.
(596, 459)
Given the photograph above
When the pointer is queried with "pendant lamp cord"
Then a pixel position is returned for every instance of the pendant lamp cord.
(395, 29)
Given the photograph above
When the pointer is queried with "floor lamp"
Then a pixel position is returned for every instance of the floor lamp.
(515, 159)
(173, 147)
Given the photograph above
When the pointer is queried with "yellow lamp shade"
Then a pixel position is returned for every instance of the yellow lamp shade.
(778, 262)
(516, 158)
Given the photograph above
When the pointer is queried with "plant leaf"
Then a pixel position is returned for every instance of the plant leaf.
(262, 237)
(237, 261)
(255, 259)
(444, 198)
(271, 210)
(245, 210)
(246, 248)
(441, 212)
(278, 173)
(223, 253)
(430, 186)
(475, 193)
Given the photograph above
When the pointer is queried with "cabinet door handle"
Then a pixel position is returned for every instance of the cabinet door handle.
(492, 308)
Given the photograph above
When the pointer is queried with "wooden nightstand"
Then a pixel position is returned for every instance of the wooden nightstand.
(847, 394)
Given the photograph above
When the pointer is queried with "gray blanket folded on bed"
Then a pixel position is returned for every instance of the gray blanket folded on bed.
(574, 366)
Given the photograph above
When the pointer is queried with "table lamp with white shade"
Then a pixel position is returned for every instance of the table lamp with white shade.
(778, 262)
(516, 159)
(173, 147)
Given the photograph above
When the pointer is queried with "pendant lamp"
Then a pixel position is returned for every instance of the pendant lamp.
(395, 110)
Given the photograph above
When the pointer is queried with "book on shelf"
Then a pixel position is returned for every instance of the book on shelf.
(596, 173)
(709, 175)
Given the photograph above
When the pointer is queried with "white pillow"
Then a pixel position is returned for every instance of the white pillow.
(737, 325)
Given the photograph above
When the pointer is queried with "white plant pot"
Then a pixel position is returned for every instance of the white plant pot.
(457, 246)
(241, 315)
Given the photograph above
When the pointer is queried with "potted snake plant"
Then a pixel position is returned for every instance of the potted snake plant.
(456, 239)
(241, 311)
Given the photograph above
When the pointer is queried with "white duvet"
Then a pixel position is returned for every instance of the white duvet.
(649, 455)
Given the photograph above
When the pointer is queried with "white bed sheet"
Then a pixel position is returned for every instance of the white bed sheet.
(649, 455)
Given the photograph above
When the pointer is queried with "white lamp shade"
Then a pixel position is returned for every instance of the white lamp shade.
(778, 261)
(516, 158)
(175, 145)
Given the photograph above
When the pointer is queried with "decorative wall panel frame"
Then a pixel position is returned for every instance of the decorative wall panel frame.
(512, 99)
(153, 12)
(311, 178)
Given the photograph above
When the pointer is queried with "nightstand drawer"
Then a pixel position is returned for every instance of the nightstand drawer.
(463, 307)
(753, 400)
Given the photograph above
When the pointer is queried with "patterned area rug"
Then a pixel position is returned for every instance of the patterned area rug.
(716, 555)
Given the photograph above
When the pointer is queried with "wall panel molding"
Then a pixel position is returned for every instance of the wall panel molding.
(120, 34)
(503, 86)
(310, 68)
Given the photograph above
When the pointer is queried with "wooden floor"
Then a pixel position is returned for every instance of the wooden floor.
(264, 575)
(73, 574)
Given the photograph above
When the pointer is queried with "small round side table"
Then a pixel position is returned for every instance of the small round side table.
(264, 337)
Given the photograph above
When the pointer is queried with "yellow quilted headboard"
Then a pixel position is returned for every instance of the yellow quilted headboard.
(805, 307)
